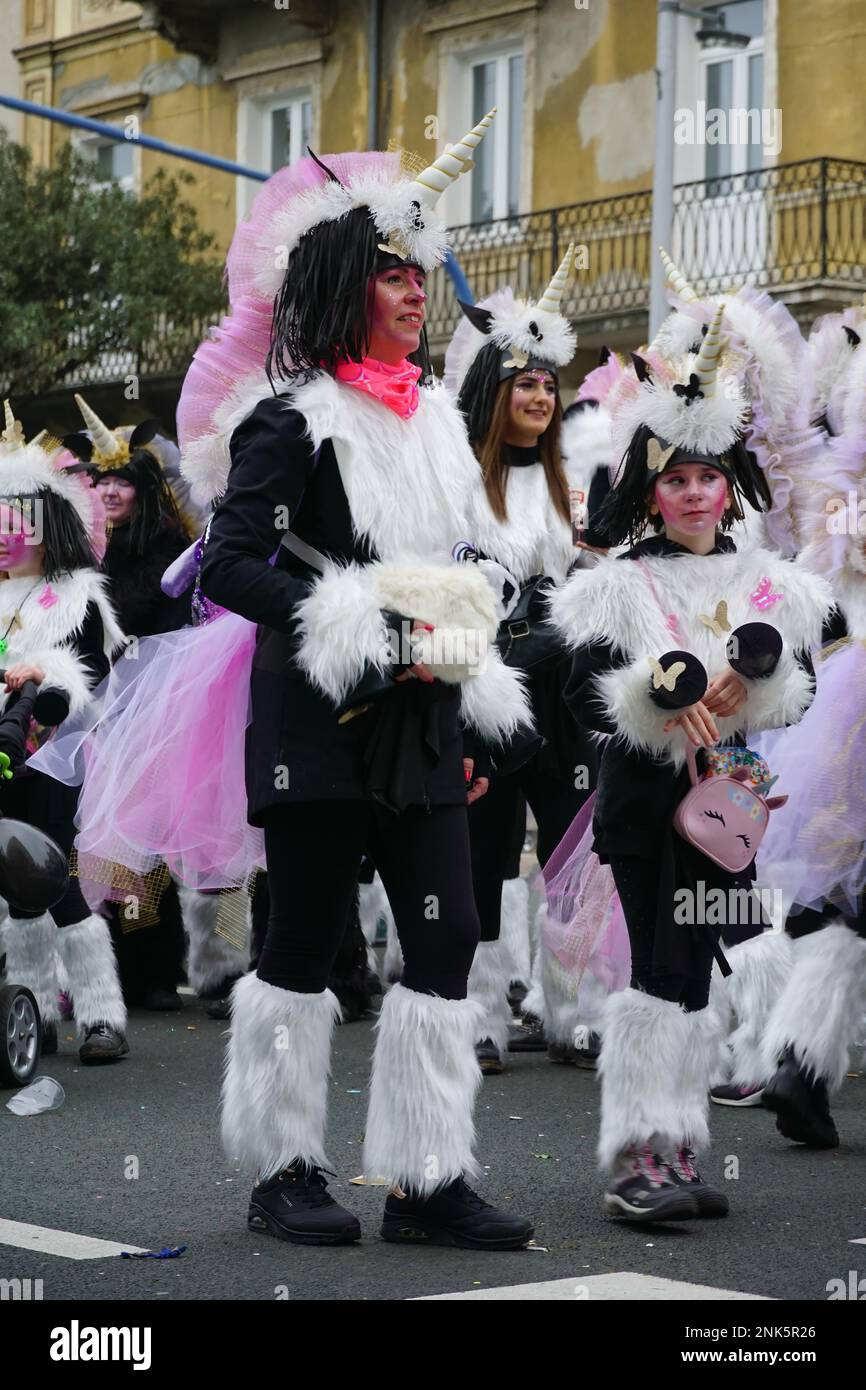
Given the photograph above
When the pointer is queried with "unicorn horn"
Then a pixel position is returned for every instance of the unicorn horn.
(551, 300)
(13, 433)
(707, 360)
(106, 443)
(433, 181)
(675, 278)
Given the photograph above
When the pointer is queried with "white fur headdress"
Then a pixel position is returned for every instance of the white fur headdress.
(28, 469)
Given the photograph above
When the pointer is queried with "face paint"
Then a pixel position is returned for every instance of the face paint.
(692, 497)
(398, 312)
(17, 538)
(532, 403)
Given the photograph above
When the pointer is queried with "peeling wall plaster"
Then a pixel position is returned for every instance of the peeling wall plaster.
(620, 118)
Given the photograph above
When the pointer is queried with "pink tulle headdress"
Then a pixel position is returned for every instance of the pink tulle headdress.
(227, 376)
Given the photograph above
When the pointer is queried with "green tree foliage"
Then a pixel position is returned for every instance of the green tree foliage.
(88, 271)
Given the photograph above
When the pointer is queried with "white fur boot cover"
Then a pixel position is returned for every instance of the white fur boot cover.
(31, 960)
(372, 905)
(211, 958)
(91, 966)
(642, 1068)
(488, 987)
(275, 1086)
(821, 1008)
(420, 1127)
(393, 966)
(561, 1011)
(534, 1001)
(699, 1067)
(761, 968)
(514, 929)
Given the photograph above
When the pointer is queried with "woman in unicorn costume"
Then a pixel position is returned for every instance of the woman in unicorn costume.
(815, 854)
(503, 365)
(58, 629)
(679, 641)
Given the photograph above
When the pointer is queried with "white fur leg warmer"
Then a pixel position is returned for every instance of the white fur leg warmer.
(699, 1068)
(373, 905)
(534, 1001)
(31, 960)
(420, 1128)
(393, 964)
(561, 1011)
(514, 929)
(488, 987)
(275, 1085)
(642, 1068)
(91, 967)
(761, 968)
(821, 1008)
(211, 958)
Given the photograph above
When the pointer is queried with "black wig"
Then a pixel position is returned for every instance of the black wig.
(624, 515)
(322, 313)
(478, 392)
(155, 510)
(56, 525)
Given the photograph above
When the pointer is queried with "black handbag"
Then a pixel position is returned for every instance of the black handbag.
(525, 639)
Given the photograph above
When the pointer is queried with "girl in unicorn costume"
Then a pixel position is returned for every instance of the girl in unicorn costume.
(815, 853)
(57, 629)
(360, 650)
(503, 367)
(679, 642)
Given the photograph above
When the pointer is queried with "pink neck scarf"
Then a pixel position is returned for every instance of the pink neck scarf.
(396, 387)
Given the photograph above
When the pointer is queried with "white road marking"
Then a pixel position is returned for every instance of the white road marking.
(64, 1243)
(598, 1288)
(861, 1240)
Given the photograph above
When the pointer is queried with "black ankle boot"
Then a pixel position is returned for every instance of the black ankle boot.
(455, 1215)
(683, 1169)
(295, 1206)
(800, 1105)
(49, 1039)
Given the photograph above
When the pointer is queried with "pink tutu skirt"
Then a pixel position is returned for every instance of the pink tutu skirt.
(583, 926)
(814, 849)
(161, 755)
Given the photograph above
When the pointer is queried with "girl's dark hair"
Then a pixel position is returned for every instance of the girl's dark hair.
(322, 313)
(624, 514)
(64, 536)
(489, 443)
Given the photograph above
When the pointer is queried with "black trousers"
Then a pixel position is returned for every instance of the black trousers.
(149, 957)
(492, 822)
(637, 883)
(313, 852)
(50, 806)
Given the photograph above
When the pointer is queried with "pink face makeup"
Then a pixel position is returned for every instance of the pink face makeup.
(692, 497)
(533, 400)
(399, 307)
(16, 538)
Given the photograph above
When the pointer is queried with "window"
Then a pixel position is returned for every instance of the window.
(287, 132)
(734, 82)
(112, 160)
(497, 81)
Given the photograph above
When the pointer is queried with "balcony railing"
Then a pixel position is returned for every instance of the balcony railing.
(794, 225)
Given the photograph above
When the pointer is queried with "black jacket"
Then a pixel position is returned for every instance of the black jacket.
(142, 608)
(296, 748)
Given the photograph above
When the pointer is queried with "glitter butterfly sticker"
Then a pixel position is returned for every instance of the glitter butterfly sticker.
(667, 678)
(718, 623)
(763, 597)
(656, 456)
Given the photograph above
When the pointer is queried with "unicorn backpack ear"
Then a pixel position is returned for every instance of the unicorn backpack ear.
(480, 318)
(773, 803)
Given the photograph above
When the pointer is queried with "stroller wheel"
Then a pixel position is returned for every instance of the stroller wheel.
(20, 1035)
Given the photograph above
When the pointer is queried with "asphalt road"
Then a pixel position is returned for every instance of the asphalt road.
(794, 1213)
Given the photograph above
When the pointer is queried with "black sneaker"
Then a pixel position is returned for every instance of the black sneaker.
(801, 1106)
(527, 1035)
(295, 1206)
(737, 1095)
(218, 1008)
(564, 1053)
(102, 1044)
(710, 1201)
(489, 1060)
(648, 1192)
(455, 1215)
(49, 1039)
(587, 1056)
(162, 999)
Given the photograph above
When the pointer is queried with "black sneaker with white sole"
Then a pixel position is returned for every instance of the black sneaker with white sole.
(527, 1035)
(737, 1095)
(489, 1058)
(647, 1191)
(684, 1170)
(295, 1206)
(102, 1043)
(456, 1216)
(800, 1105)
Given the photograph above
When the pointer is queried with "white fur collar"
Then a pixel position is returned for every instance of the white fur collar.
(614, 603)
(45, 623)
(534, 539)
